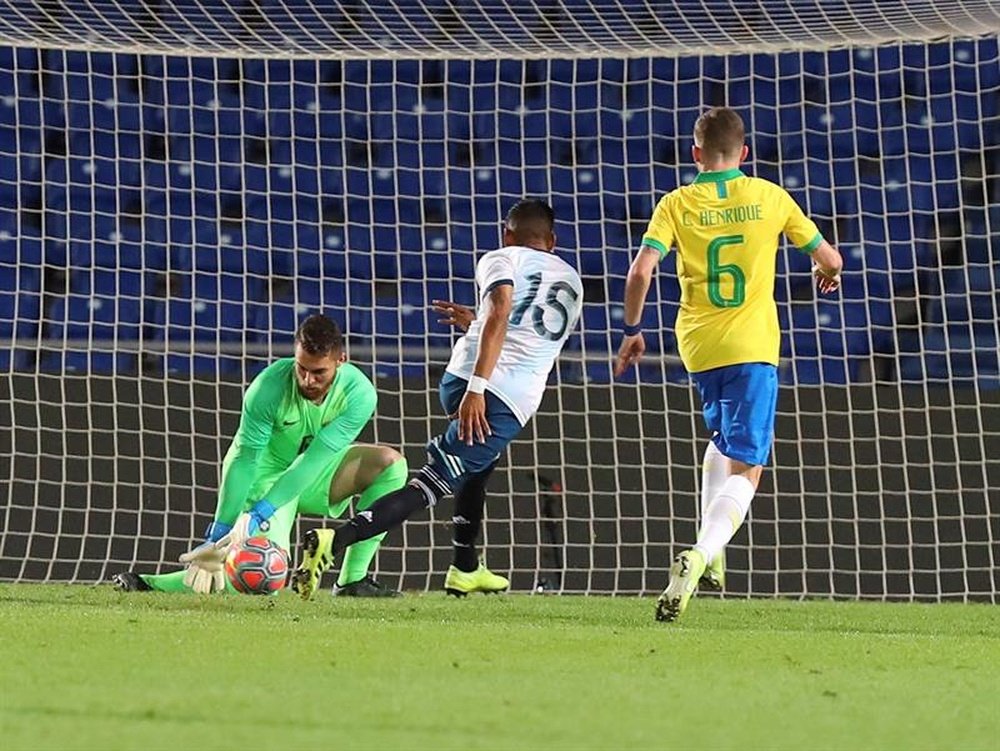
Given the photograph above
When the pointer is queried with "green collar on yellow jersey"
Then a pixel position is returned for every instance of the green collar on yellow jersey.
(720, 176)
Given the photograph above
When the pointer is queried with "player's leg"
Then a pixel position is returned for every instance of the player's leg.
(364, 469)
(470, 502)
(739, 404)
(704, 565)
(714, 473)
(689, 565)
(380, 471)
(450, 461)
(728, 509)
(130, 581)
(750, 395)
(468, 572)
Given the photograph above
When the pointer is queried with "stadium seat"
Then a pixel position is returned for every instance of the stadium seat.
(20, 300)
(955, 355)
(238, 169)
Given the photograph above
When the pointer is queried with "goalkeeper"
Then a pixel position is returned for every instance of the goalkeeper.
(294, 454)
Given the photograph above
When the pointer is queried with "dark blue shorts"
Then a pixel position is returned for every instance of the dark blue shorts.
(453, 459)
(738, 403)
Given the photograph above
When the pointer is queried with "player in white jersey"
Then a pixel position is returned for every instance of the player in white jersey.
(547, 299)
(530, 301)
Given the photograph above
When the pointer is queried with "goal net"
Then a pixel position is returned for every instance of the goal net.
(182, 181)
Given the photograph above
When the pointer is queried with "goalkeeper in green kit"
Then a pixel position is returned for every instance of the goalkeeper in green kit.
(294, 453)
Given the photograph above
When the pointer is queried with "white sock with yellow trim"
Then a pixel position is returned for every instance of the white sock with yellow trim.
(724, 515)
(714, 473)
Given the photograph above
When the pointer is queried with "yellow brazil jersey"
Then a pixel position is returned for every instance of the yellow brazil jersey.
(726, 227)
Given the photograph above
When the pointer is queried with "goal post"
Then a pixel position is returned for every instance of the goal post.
(497, 29)
(182, 181)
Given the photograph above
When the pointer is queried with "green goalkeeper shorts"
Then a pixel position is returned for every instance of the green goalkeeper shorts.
(314, 500)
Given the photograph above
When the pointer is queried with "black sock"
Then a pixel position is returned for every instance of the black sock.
(469, 503)
(463, 543)
(387, 512)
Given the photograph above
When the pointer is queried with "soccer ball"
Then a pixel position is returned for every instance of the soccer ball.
(257, 567)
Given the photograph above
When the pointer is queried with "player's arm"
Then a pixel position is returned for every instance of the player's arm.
(802, 231)
(237, 478)
(637, 283)
(827, 265)
(472, 422)
(260, 405)
(337, 435)
(204, 574)
(498, 302)
(656, 244)
(459, 316)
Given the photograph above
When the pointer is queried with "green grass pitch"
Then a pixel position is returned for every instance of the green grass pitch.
(90, 668)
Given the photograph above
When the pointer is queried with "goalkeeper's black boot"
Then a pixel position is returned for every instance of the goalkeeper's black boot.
(366, 587)
(129, 581)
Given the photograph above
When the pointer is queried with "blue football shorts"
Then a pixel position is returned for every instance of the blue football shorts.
(738, 404)
(454, 460)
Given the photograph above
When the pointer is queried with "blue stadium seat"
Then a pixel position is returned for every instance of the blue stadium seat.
(276, 324)
(596, 327)
(820, 329)
(20, 299)
(115, 303)
(864, 138)
(89, 319)
(956, 356)
(21, 162)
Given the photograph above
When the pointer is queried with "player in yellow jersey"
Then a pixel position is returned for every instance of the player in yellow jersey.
(726, 227)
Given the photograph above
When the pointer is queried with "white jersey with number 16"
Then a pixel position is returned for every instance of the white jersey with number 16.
(548, 298)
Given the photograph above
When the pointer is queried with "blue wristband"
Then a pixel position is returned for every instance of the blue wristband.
(631, 329)
(216, 531)
(261, 512)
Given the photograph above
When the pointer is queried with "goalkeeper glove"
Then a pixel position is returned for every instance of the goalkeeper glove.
(205, 562)
(204, 573)
(248, 524)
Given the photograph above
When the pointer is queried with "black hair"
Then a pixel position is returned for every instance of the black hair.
(531, 219)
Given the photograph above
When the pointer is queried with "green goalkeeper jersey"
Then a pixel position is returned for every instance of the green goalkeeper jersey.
(285, 440)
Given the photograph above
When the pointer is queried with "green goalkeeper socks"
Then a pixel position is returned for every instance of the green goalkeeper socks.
(358, 557)
(172, 582)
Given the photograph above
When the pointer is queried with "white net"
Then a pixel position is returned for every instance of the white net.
(175, 196)
(502, 29)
